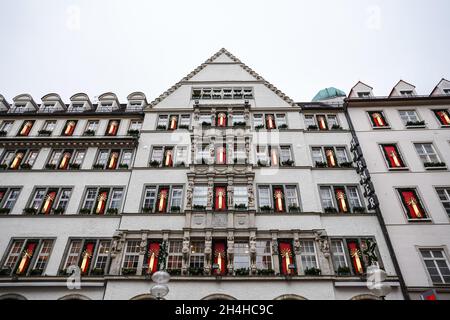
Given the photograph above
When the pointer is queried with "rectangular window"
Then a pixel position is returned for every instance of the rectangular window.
(317, 156)
(443, 116)
(131, 257)
(287, 257)
(125, 159)
(338, 255)
(341, 199)
(200, 196)
(197, 254)
(322, 122)
(111, 159)
(77, 107)
(310, 122)
(286, 156)
(101, 261)
(392, 156)
(135, 125)
(410, 118)
(91, 128)
(26, 127)
(181, 155)
(412, 204)
(157, 156)
(176, 198)
(163, 121)
(104, 200)
(377, 119)
(47, 200)
(444, 197)
(238, 119)
(112, 128)
(363, 94)
(332, 121)
(162, 199)
(175, 255)
(406, 93)
(69, 128)
(270, 122)
(437, 265)
(240, 197)
(205, 119)
(30, 158)
(149, 199)
(264, 197)
(291, 196)
(264, 255)
(241, 258)
(258, 121)
(47, 128)
(8, 198)
(5, 127)
(428, 155)
(308, 254)
(280, 120)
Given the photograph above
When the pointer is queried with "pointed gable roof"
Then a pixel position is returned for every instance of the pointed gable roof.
(223, 56)
(439, 86)
(401, 82)
(361, 84)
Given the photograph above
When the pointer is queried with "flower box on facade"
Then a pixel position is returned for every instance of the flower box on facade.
(199, 207)
(196, 271)
(183, 126)
(359, 209)
(89, 133)
(259, 127)
(4, 210)
(180, 164)
(50, 166)
(239, 124)
(85, 211)
(348, 164)
(174, 272)
(146, 210)
(36, 272)
(58, 211)
(321, 164)
(330, 210)
(133, 133)
(288, 163)
(98, 166)
(112, 211)
(265, 272)
(25, 166)
(74, 166)
(412, 124)
(128, 271)
(5, 271)
(44, 133)
(312, 127)
(175, 209)
(283, 126)
(434, 165)
(265, 209)
(30, 211)
(343, 271)
(3, 166)
(336, 127)
(161, 127)
(155, 163)
(293, 208)
(312, 271)
(240, 206)
(123, 166)
(242, 272)
(97, 272)
(3, 133)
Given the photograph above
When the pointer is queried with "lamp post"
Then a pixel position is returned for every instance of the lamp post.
(160, 289)
(375, 281)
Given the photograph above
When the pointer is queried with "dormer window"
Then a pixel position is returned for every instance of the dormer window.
(105, 107)
(19, 108)
(446, 91)
(48, 107)
(77, 107)
(406, 93)
(364, 94)
(218, 93)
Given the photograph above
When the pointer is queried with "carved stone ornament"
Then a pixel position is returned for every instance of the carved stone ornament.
(185, 250)
(297, 246)
(274, 246)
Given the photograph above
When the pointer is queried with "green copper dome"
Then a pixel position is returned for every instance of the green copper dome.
(328, 93)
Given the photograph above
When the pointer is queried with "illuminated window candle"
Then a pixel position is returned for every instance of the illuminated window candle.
(168, 162)
(444, 117)
(379, 122)
(87, 256)
(162, 203)
(322, 123)
(101, 204)
(330, 158)
(355, 254)
(220, 198)
(26, 257)
(49, 198)
(152, 261)
(221, 155)
(274, 157)
(70, 128)
(278, 195)
(173, 122)
(65, 160)
(113, 160)
(270, 122)
(17, 160)
(221, 119)
(340, 195)
(113, 128)
(26, 128)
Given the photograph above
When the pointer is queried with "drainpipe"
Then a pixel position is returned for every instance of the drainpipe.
(382, 223)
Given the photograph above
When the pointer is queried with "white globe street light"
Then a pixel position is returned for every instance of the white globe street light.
(160, 289)
(375, 278)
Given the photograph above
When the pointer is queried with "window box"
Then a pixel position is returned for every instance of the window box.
(29, 211)
(174, 272)
(175, 209)
(36, 272)
(74, 166)
(283, 126)
(343, 271)
(434, 164)
(123, 166)
(359, 209)
(3, 133)
(199, 207)
(44, 133)
(313, 127)
(161, 127)
(260, 126)
(348, 164)
(321, 164)
(180, 164)
(25, 166)
(4, 210)
(206, 124)
(146, 210)
(89, 133)
(288, 163)
(97, 272)
(3, 166)
(262, 163)
(5, 271)
(239, 124)
(266, 209)
(415, 123)
(50, 166)
(58, 211)
(312, 271)
(294, 208)
(183, 126)
(85, 211)
(330, 210)
(242, 272)
(128, 271)
(112, 211)
(133, 132)
(196, 271)
(155, 163)
(241, 206)
(98, 166)
(265, 272)
(336, 127)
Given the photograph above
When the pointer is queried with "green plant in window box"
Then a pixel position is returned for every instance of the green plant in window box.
(112, 211)
(265, 208)
(240, 206)
(4, 210)
(262, 163)
(359, 209)
(242, 272)
(3, 133)
(50, 166)
(283, 126)
(58, 211)
(239, 124)
(128, 271)
(161, 127)
(294, 208)
(175, 209)
(336, 127)
(434, 164)
(194, 271)
(415, 123)
(3, 166)
(36, 272)
(155, 163)
(206, 124)
(85, 211)
(63, 272)
(174, 272)
(181, 164)
(98, 166)
(146, 210)
(133, 132)
(288, 163)
(321, 164)
(199, 207)
(259, 126)
(97, 272)
(89, 133)
(347, 164)
(183, 126)
(312, 271)
(265, 272)
(6, 271)
(30, 211)
(330, 210)
(313, 127)
(123, 166)
(74, 166)
(343, 271)
(25, 166)
(44, 132)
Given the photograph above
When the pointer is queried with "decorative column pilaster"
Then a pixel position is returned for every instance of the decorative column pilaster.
(208, 253)
(210, 203)
(297, 251)
(325, 262)
(230, 252)
(143, 249)
(186, 252)
(275, 254)
(117, 250)
(253, 267)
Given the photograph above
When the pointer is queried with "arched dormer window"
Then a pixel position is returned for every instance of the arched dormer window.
(4, 105)
(108, 102)
(80, 102)
(136, 101)
(23, 103)
(52, 102)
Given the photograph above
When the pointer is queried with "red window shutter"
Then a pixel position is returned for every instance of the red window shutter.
(287, 257)
(220, 258)
(86, 257)
(152, 257)
(27, 255)
(341, 199)
(220, 199)
(355, 256)
(162, 200)
(101, 202)
(48, 202)
(412, 204)
(278, 196)
(392, 156)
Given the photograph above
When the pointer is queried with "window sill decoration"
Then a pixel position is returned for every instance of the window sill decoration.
(336, 127)
(242, 272)
(50, 166)
(3, 166)
(175, 209)
(146, 210)
(98, 166)
(343, 271)
(174, 272)
(155, 163)
(240, 206)
(44, 133)
(5, 272)
(206, 124)
(112, 211)
(288, 163)
(133, 133)
(262, 163)
(415, 123)
(330, 210)
(36, 272)
(25, 166)
(89, 133)
(183, 126)
(74, 166)
(431, 165)
(239, 124)
(266, 209)
(29, 211)
(265, 272)
(4, 210)
(85, 211)
(196, 271)
(359, 209)
(180, 164)
(128, 271)
(313, 127)
(58, 211)
(123, 166)
(259, 127)
(294, 208)
(160, 127)
(3, 133)
(97, 272)
(199, 207)
(346, 164)
(283, 126)
(312, 271)
(63, 272)
(321, 164)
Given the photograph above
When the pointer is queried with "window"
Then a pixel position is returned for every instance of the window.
(203, 154)
(238, 119)
(101, 261)
(131, 257)
(446, 91)
(164, 156)
(308, 254)
(125, 159)
(175, 255)
(342, 156)
(90, 255)
(412, 204)
(282, 196)
(25, 128)
(205, 119)
(263, 255)
(15, 159)
(285, 156)
(270, 121)
(27, 256)
(332, 121)
(47, 128)
(239, 152)
(185, 121)
(437, 266)
(240, 197)
(162, 199)
(157, 156)
(338, 255)
(5, 127)
(310, 122)
(111, 159)
(264, 197)
(343, 199)
(47, 200)
(291, 198)
(258, 121)
(19, 108)
(173, 122)
(410, 118)
(8, 198)
(321, 122)
(241, 258)
(200, 196)
(135, 126)
(91, 128)
(262, 158)
(280, 120)
(112, 128)
(102, 200)
(317, 156)
(219, 93)
(63, 159)
(406, 93)
(221, 154)
(287, 257)
(77, 107)
(163, 121)
(392, 156)
(47, 107)
(444, 196)
(197, 254)
(363, 94)
(181, 155)
(69, 128)
(105, 107)
(377, 119)
(220, 198)
(221, 119)
(428, 155)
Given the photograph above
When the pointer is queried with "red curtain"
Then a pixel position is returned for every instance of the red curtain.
(221, 120)
(392, 156)
(278, 199)
(378, 119)
(220, 257)
(355, 255)
(322, 122)
(220, 198)
(270, 122)
(112, 129)
(101, 202)
(152, 257)
(65, 160)
(341, 199)
(162, 199)
(287, 257)
(70, 127)
(331, 159)
(221, 155)
(168, 158)
(86, 257)
(26, 258)
(173, 123)
(443, 116)
(412, 204)
(48, 202)
(17, 160)
(26, 128)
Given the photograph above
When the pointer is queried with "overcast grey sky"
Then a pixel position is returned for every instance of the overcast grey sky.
(95, 46)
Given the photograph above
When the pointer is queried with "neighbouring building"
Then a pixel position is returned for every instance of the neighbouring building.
(223, 180)
(405, 139)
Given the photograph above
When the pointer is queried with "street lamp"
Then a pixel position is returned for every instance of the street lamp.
(160, 289)
(375, 281)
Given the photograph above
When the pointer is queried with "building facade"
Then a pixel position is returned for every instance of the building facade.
(223, 180)
(405, 139)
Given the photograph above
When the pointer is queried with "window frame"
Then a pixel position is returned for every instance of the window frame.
(332, 187)
(371, 122)
(56, 202)
(157, 188)
(415, 189)
(7, 194)
(446, 190)
(400, 153)
(445, 257)
(284, 186)
(108, 202)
